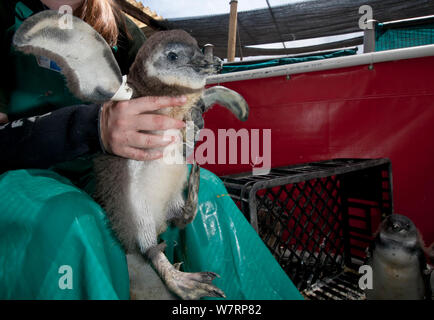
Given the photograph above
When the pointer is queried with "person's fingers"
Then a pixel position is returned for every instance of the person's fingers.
(125, 134)
(141, 155)
(144, 140)
(146, 104)
(156, 122)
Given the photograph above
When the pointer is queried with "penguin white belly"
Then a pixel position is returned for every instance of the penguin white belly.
(396, 282)
(156, 189)
(139, 196)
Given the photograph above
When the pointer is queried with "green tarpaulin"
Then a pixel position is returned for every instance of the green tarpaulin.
(283, 61)
(47, 223)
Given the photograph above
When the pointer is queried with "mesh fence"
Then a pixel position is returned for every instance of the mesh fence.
(388, 38)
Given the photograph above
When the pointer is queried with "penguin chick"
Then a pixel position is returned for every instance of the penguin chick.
(140, 197)
(398, 262)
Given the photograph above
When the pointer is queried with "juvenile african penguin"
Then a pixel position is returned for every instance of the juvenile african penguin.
(398, 262)
(140, 197)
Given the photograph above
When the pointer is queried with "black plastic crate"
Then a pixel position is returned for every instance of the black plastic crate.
(318, 218)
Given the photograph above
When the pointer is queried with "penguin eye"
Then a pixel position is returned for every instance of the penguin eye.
(172, 56)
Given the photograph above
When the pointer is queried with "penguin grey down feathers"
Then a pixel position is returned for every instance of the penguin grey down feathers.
(140, 197)
(399, 266)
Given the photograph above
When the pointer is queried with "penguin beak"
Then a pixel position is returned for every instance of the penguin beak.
(218, 64)
(206, 63)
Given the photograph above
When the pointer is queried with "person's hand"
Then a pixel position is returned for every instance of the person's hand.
(121, 124)
(3, 118)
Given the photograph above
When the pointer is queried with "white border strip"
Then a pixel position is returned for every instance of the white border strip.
(327, 64)
(408, 20)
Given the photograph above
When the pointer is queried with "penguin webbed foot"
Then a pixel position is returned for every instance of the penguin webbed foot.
(186, 285)
(193, 286)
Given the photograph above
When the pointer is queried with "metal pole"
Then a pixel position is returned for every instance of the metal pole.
(209, 52)
(232, 38)
(369, 38)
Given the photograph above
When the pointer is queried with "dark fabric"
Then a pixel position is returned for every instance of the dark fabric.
(295, 21)
(129, 43)
(46, 140)
(7, 18)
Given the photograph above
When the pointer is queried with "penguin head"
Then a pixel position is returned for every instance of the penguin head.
(174, 59)
(399, 228)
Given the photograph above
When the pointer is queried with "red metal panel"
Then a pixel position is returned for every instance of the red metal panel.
(351, 112)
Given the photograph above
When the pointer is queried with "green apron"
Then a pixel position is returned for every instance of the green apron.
(55, 241)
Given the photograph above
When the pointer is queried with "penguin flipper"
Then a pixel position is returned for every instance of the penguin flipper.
(228, 99)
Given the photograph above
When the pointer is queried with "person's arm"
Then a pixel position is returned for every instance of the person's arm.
(42, 141)
(71, 132)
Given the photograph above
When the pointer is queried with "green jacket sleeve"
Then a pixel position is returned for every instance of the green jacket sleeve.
(6, 20)
(69, 130)
(129, 43)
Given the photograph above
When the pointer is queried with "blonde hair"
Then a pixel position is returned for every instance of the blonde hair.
(104, 16)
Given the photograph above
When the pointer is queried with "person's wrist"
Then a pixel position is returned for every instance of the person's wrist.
(102, 127)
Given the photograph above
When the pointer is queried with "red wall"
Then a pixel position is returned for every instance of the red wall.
(352, 113)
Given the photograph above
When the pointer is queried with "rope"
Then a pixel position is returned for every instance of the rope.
(239, 41)
(275, 23)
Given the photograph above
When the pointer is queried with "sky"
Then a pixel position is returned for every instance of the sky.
(189, 8)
